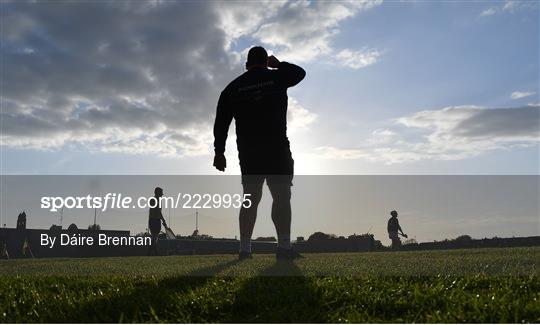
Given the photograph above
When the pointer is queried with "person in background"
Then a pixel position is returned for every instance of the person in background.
(155, 218)
(393, 229)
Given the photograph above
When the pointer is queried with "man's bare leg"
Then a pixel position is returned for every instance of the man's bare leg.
(281, 213)
(152, 250)
(248, 216)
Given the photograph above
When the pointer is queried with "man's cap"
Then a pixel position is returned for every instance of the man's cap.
(158, 190)
(257, 55)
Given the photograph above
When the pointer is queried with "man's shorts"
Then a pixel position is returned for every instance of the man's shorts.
(280, 172)
(396, 242)
(270, 179)
(154, 225)
(274, 165)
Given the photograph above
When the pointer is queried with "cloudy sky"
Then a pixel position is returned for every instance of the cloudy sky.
(130, 87)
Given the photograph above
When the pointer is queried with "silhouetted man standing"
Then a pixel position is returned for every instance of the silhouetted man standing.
(155, 218)
(257, 100)
(393, 228)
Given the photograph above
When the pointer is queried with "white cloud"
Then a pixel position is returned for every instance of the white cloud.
(238, 18)
(510, 6)
(383, 133)
(28, 50)
(302, 30)
(452, 133)
(330, 152)
(488, 12)
(357, 59)
(521, 94)
(381, 136)
(298, 118)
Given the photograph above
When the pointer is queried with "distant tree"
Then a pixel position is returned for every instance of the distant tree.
(410, 241)
(271, 238)
(320, 236)
(463, 238)
(143, 234)
(377, 245)
(73, 228)
(197, 235)
(94, 227)
(361, 236)
(21, 220)
(55, 228)
(299, 239)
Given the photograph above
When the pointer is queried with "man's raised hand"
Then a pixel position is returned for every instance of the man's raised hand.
(220, 162)
(273, 62)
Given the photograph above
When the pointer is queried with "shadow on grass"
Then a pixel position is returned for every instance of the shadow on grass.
(279, 294)
(149, 301)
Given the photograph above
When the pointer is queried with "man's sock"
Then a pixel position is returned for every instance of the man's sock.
(284, 242)
(245, 245)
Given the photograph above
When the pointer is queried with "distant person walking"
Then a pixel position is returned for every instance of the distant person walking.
(257, 100)
(155, 218)
(393, 229)
(3, 249)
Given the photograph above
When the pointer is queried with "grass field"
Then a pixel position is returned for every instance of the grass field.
(485, 285)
